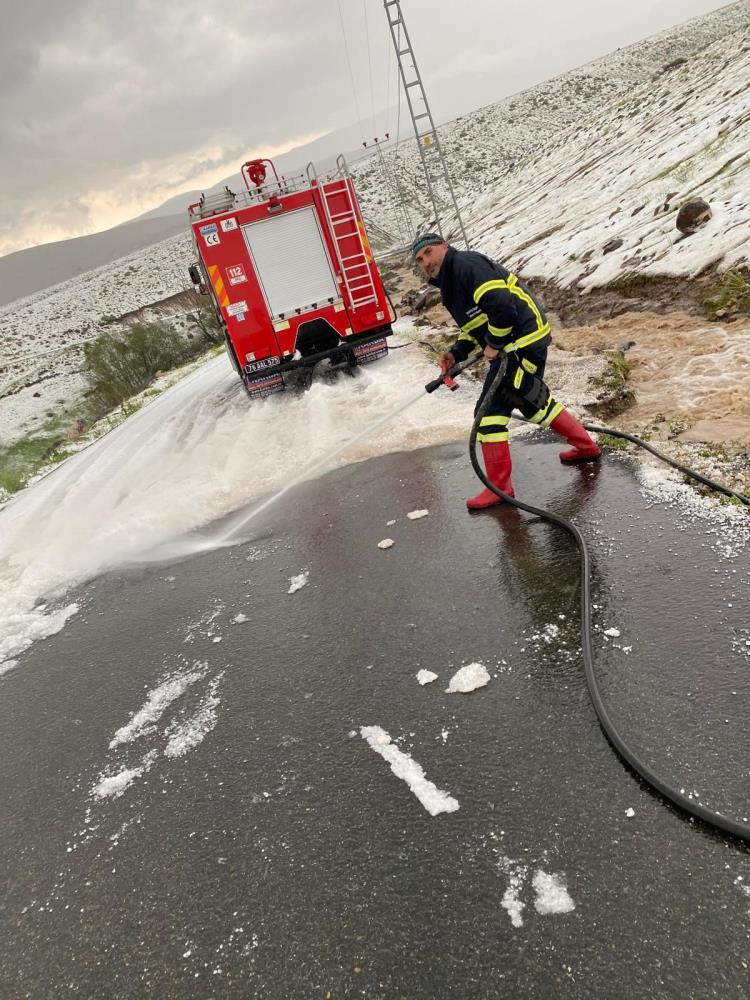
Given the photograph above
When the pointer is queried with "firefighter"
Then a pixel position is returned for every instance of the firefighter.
(496, 312)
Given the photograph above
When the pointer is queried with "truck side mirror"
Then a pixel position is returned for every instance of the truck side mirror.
(195, 274)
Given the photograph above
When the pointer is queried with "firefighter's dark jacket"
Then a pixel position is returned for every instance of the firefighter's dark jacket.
(489, 304)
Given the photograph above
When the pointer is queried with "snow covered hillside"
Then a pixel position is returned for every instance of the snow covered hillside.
(501, 145)
(601, 200)
(39, 331)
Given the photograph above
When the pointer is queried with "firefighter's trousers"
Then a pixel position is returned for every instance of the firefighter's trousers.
(523, 388)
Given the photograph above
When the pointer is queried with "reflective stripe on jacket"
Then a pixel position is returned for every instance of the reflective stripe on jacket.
(490, 305)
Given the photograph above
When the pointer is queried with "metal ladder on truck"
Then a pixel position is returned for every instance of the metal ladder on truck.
(355, 267)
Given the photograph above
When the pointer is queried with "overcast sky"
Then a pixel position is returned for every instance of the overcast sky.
(108, 107)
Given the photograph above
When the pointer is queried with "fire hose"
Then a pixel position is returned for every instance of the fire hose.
(688, 805)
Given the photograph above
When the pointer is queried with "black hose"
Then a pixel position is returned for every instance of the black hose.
(670, 461)
(690, 806)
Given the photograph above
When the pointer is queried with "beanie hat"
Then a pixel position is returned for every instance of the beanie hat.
(425, 240)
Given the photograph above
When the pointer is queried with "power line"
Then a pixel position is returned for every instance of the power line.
(388, 59)
(369, 64)
(349, 62)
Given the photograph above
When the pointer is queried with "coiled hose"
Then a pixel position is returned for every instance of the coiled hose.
(690, 806)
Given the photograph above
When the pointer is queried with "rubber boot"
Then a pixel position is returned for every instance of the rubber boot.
(584, 449)
(497, 466)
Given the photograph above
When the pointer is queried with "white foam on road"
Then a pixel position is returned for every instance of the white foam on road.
(426, 677)
(195, 454)
(407, 769)
(551, 894)
(157, 702)
(297, 582)
(511, 900)
(24, 622)
(726, 526)
(187, 734)
(468, 678)
(113, 786)
(183, 732)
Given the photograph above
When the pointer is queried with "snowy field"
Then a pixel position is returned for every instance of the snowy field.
(42, 334)
(540, 174)
(603, 202)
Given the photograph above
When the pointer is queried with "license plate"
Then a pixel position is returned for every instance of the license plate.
(257, 366)
(265, 386)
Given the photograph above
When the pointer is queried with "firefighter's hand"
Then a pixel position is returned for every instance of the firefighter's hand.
(447, 362)
(490, 352)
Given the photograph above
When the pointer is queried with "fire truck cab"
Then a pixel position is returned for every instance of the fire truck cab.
(289, 267)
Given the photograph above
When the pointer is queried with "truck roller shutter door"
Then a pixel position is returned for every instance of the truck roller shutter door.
(291, 261)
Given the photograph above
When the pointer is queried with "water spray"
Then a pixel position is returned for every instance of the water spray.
(237, 523)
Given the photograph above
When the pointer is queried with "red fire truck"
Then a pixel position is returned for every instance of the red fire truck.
(290, 270)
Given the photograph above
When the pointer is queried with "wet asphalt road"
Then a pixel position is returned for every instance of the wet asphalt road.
(281, 858)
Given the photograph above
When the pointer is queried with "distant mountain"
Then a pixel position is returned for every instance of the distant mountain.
(31, 270)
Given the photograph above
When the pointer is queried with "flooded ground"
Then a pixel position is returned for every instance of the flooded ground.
(683, 369)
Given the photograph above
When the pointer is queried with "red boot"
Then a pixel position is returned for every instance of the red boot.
(497, 467)
(584, 449)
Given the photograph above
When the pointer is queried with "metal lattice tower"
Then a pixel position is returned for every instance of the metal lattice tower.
(439, 185)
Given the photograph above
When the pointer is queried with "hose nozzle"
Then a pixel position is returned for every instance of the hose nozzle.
(447, 379)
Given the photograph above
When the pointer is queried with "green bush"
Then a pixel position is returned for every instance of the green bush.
(120, 366)
(20, 460)
(615, 376)
(617, 443)
(731, 295)
(203, 315)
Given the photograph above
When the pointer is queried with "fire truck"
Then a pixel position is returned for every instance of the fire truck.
(292, 276)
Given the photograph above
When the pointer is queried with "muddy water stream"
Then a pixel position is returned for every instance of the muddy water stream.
(684, 369)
